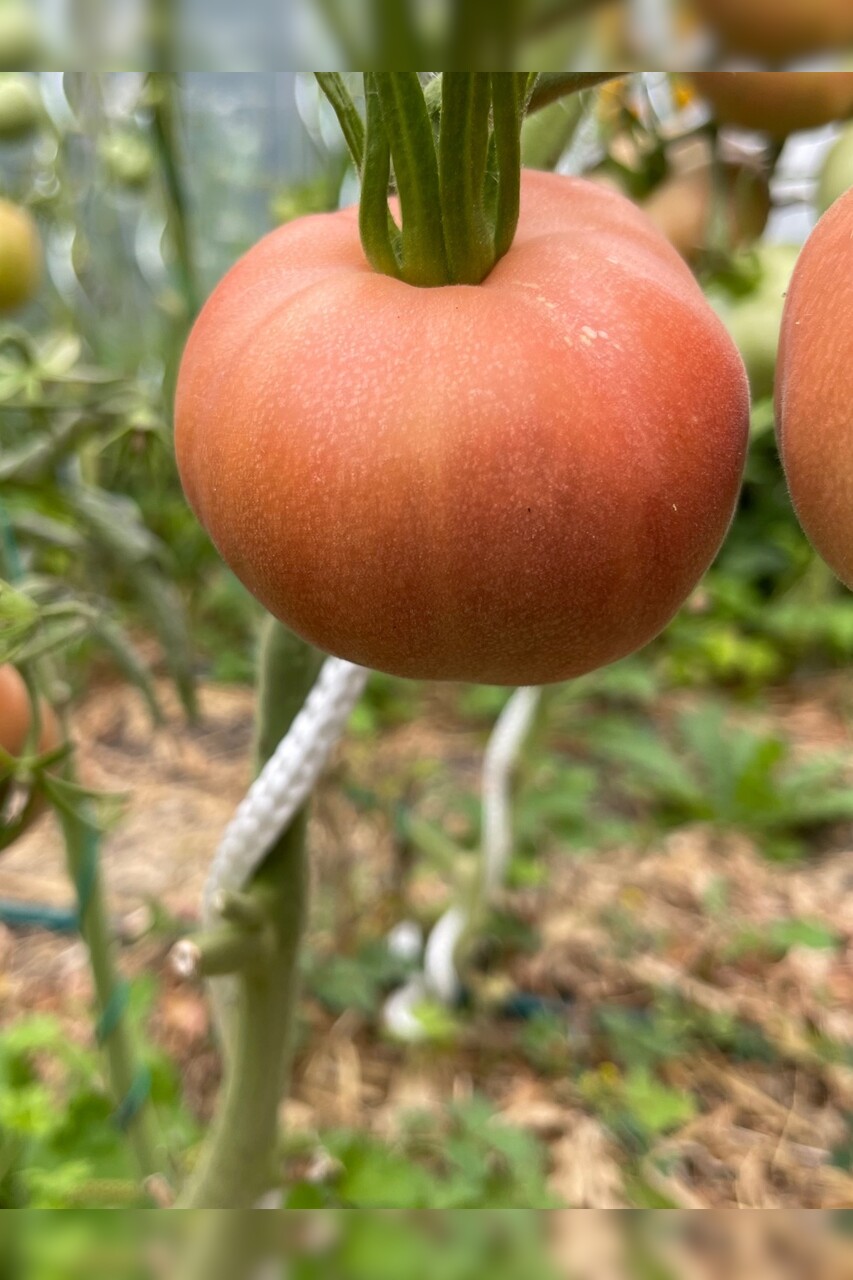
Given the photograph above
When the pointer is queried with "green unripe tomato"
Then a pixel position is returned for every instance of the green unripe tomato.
(20, 256)
(837, 174)
(20, 107)
(128, 158)
(20, 40)
(754, 319)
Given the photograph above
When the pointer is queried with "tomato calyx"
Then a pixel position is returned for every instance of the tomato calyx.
(454, 150)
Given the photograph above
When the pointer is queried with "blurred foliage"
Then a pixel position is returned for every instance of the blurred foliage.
(464, 1160)
(60, 1147)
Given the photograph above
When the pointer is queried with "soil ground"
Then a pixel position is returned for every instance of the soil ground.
(763, 1133)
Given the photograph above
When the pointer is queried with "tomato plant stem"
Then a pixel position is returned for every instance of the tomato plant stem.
(551, 85)
(413, 153)
(454, 148)
(508, 89)
(236, 1166)
(380, 237)
(350, 121)
(463, 149)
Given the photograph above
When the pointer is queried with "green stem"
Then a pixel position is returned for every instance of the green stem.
(508, 94)
(165, 130)
(350, 121)
(460, 207)
(236, 1166)
(395, 35)
(472, 40)
(551, 85)
(553, 13)
(378, 237)
(463, 148)
(127, 1084)
(416, 170)
(546, 135)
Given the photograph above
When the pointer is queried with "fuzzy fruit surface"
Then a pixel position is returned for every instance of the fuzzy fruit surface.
(779, 29)
(15, 716)
(510, 483)
(814, 388)
(777, 102)
(20, 256)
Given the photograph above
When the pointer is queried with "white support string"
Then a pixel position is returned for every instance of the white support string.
(502, 752)
(290, 776)
(286, 781)
(440, 978)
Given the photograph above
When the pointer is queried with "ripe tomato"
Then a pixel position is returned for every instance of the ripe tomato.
(777, 102)
(682, 208)
(814, 388)
(16, 714)
(20, 256)
(510, 483)
(779, 29)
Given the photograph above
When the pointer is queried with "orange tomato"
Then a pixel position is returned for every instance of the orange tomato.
(777, 102)
(511, 483)
(16, 715)
(779, 29)
(814, 388)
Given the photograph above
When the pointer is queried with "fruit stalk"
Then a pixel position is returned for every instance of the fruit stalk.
(455, 150)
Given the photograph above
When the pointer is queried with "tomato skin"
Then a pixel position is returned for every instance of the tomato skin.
(814, 388)
(20, 256)
(779, 29)
(512, 483)
(15, 716)
(777, 102)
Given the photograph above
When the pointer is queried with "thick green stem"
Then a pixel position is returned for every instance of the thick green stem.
(551, 85)
(459, 209)
(236, 1167)
(395, 33)
(416, 170)
(548, 86)
(508, 95)
(463, 148)
(546, 135)
(379, 238)
(471, 40)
